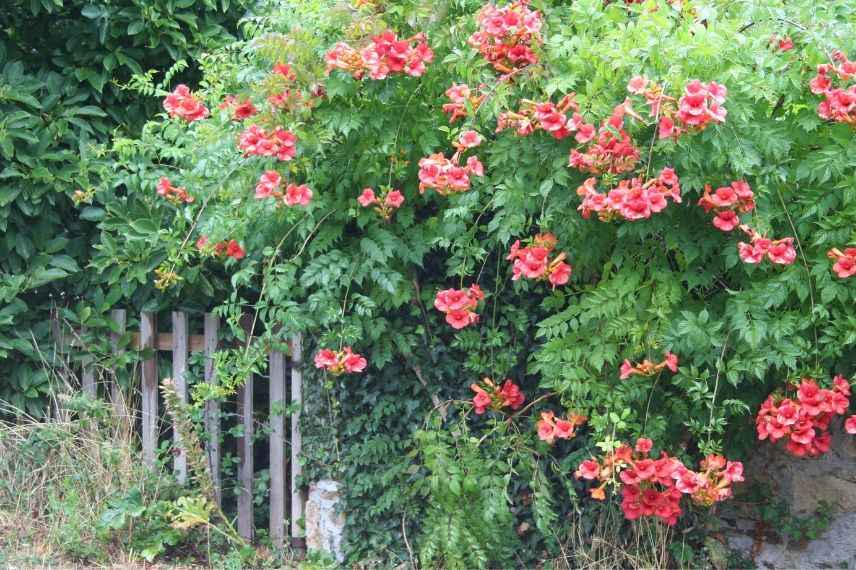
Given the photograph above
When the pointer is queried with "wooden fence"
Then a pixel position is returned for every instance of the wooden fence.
(178, 345)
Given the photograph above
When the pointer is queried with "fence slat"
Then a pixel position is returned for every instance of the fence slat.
(212, 406)
(149, 407)
(296, 441)
(117, 398)
(277, 448)
(87, 375)
(87, 379)
(245, 460)
(179, 376)
(163, 342)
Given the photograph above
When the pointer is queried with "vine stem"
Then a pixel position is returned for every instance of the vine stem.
(500, 80)
(719, 363)
(398, 130)
(656, 130)
(199, 213)
(345, 301)
(407, 542)
(495, 303)
(270, 265)
(475, 225)
(438, 405)
(648, 405)
(807, 272)
(507, 422)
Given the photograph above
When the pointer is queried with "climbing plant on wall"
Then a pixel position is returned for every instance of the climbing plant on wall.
(622, 222)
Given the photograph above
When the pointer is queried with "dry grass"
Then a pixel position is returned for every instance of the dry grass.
(56, 476)
(609, 544)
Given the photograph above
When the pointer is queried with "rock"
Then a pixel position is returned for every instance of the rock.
(806, 485)
(325, 527)
(834, 549)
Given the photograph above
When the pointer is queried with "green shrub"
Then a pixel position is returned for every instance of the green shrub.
(351, 276)
(63, 69)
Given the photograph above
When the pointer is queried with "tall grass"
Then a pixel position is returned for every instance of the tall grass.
(57, 474)
(608, 542)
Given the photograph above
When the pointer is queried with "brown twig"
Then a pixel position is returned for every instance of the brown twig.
(438, 405)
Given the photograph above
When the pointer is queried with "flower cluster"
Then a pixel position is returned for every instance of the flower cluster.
(654, 487)
(240, 110)
(550, 428)
(338, 362)
(726, 201)
(284, 70)
(549, 117)
(225, 248)
(489, 395)
(611, 151)
(712, 483)
(632, 199)
(845, 261)
(460, 97)
(294, 195)
(507, 35)
(386, 204)
(445, 175)
(468, 139)
(279, 143)
(459, 305)
(182, 104)
(648, 368)
(534, 261)
(804, 421)
(780, 251)
(782, 44)
(283, 96)
(175, 195)
(384, 56)
(700, 105)
(839, 103)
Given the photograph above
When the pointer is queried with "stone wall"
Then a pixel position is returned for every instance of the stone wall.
(805, 484)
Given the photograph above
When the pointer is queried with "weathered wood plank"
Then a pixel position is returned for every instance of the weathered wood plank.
(245, 460)
(277, 448)
(149, 388)
(179, 377)
(87, 378)
(87, 374)
(297, 499)
(164, 342)
(212, 407)
(117, 398)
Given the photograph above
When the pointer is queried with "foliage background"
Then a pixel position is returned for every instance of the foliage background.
(64, 66)
(338, 273)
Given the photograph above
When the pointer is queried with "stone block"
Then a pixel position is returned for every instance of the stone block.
(325, 526)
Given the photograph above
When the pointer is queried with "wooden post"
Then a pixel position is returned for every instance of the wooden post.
(57, 333)
(87, 380)
(179, 377)
(212, 406)
(149, 407)
(297, 535)
(245, 460)
(277, 449)
(87, 376)
(117, 398)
